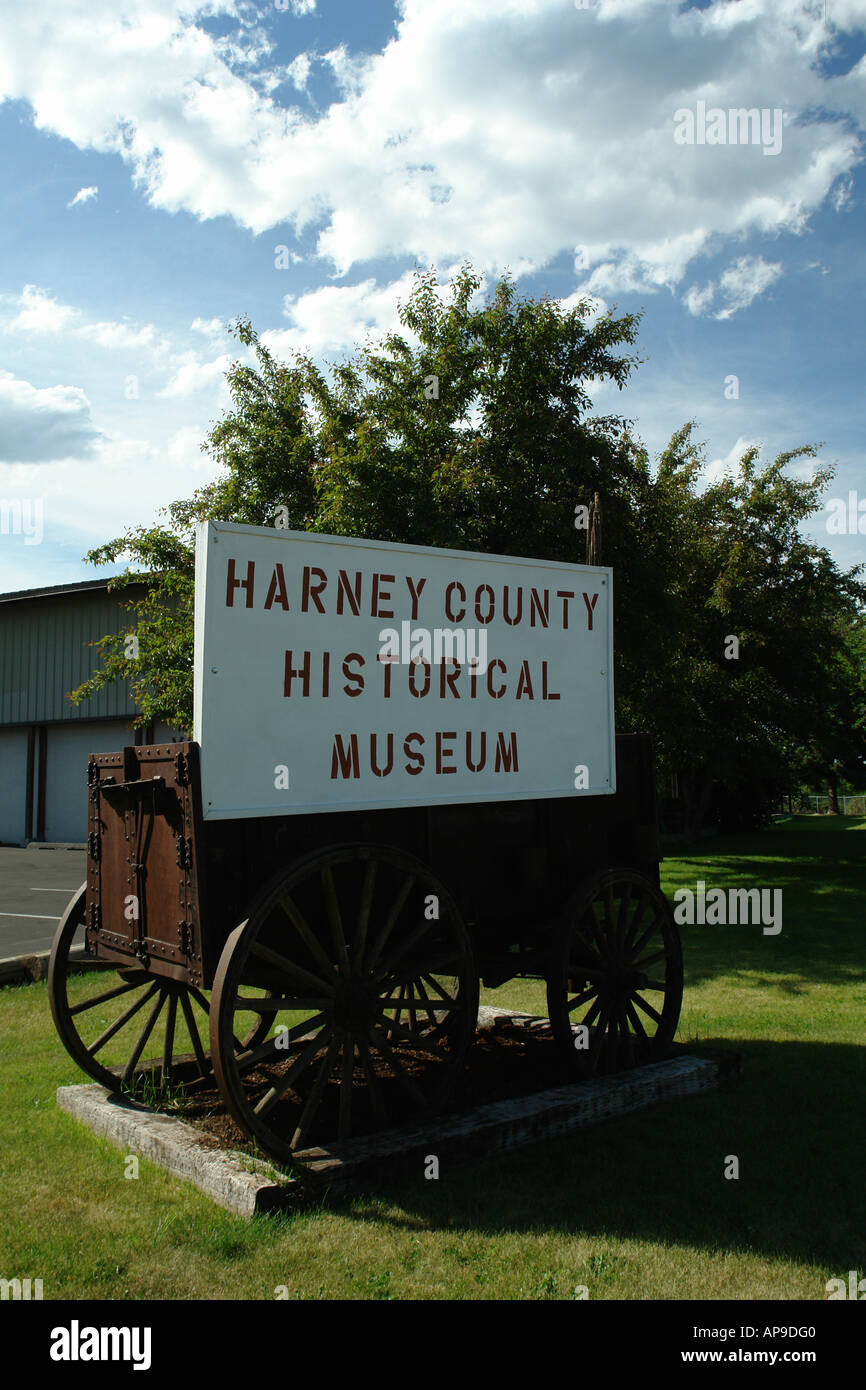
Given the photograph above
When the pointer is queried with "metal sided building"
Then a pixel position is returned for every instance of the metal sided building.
(45, 740)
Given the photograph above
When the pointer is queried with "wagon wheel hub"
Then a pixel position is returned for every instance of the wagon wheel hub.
(628, 980)
(356, 1005)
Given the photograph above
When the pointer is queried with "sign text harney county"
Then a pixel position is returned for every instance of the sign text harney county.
(339, 674)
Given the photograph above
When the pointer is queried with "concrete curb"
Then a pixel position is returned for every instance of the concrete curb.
(509, 1124)
(14, 969)
(226, 1176)
(221, 1174)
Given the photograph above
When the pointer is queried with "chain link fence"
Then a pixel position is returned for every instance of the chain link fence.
(815, 804)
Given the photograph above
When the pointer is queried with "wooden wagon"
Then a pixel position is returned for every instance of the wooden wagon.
(323, 966)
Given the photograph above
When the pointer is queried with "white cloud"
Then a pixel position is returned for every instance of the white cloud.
(38, 312)
(698, 301)
(118, 335)
(493, 131)
(336, 317)
(39, 424)
(842, 193)
(298, 71)
(211, 328)
(193, 375)
(184, 451)
(739, 285)
(744, 281)
(83, 196)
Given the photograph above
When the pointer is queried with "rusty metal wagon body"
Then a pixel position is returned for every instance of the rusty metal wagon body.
(323, 970)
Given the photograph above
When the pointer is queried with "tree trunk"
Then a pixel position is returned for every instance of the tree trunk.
(696, 792)
(832, 793)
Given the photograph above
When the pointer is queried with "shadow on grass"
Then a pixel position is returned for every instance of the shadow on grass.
(795, 1122)
(819, 867)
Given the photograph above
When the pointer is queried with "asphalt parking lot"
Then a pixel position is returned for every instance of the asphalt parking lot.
(35, 886)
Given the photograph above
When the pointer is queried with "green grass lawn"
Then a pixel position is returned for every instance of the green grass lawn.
(636, 1208)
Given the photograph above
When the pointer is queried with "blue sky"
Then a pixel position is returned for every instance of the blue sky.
(155, 154)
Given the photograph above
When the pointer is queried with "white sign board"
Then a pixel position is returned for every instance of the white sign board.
(338, 674)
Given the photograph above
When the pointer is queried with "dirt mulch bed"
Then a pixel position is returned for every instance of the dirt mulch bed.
(505, 1062)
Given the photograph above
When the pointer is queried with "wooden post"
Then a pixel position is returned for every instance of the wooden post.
(593, 532)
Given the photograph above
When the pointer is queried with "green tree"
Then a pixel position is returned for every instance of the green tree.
(471, 431)
(748, 663)
(834, 750)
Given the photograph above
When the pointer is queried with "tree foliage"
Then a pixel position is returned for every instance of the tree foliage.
(750, 660)
(472, 431)
(472, 428)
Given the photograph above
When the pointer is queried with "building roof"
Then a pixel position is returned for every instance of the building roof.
(55, 590)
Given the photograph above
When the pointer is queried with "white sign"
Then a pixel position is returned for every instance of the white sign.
(334, 674)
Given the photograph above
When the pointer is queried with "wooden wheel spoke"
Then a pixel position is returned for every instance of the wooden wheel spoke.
(590, 945)
(611, 1024)
(443, 993)
(294, 1036)
(637, 918)
(168, 1046)
(412, 972)
(309, 1111)
(288, 967)
(397, 1004)
(596, 943)
(360, 941)
(103, 998)
(389, 1002)
(636, 1020)
(123, 1020)
(654, 984)
(412, 1011)
(596, 1045)
(347, 1072)
(581, 999)
(251, 1056)
(647, 1008)
(388, 926)
(416, 1040)
(313, 945)
(591, 1013)
(381, 1042)
(645, 936)
(622, 918)
(201, 1060)
(624, 1030)
(376, 1098)
(427, 1005)
(609, 914)
(298, 1067)
(650, 960)
(334, 918)
(445, 1004)
(143, 1037)
(403, 946)
(199, 999)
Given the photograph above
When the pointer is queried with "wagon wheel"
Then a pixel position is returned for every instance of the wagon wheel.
(374, 999)
(133, 1010)
(616, 968)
